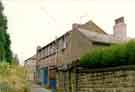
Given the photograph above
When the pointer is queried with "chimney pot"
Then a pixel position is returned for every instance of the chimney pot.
(119, 20)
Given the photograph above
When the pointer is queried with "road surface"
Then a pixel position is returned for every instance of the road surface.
(36, 88)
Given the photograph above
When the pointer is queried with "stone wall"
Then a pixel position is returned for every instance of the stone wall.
(66, 81)
(115, 79)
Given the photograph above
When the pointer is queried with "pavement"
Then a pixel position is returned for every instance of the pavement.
(37, 88)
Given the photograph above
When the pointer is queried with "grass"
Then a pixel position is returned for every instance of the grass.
(13, 78)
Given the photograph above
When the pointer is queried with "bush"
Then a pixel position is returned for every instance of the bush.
(120, 54)
(13, 78)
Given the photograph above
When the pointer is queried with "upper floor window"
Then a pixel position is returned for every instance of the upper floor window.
(47, 51)
(42, 53)
(60, 44)
(53, 48)
(39, 54)
(50, 49)
(65, 42)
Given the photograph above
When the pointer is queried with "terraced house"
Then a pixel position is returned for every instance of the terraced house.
(69, 47)
(30, 66)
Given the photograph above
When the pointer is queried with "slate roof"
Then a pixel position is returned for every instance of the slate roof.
(91, 26)
(31, 58)
(92, 31)
(97, 37)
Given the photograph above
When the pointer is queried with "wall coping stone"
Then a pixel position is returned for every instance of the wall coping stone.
(106, 69)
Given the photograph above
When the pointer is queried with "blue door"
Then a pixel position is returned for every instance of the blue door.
(44, 76)
(53, 85)
(45, 80)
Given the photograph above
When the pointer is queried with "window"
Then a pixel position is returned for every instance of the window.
(51, 49)
(62, 43)
(42, 53)
(46, 51)
(65, 42)
(59, 44)
(39, 54)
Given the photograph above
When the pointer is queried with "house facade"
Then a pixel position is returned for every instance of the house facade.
(30, 66)
(68, 48)
(49, 60)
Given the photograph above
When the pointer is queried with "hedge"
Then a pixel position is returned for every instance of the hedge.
(115, 55)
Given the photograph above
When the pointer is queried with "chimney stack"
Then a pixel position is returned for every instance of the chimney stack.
(120, 29)
(75, 26)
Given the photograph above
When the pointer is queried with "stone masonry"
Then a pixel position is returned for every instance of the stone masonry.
(115, 79)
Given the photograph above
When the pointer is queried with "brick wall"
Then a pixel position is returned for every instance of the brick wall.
(116, 79)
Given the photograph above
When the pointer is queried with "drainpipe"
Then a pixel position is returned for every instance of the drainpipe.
(76, 72)
(64, 82)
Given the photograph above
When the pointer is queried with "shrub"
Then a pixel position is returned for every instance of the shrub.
(120, 54)
(13, 78)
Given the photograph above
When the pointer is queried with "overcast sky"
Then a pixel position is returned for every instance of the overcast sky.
(37, 22)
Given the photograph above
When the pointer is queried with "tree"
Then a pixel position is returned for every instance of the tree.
(5, 51)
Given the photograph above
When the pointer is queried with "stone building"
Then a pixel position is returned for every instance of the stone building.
(30, 66)
(68, 48)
